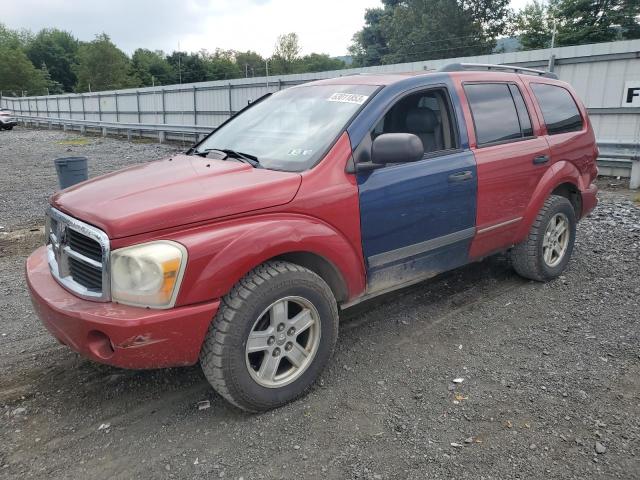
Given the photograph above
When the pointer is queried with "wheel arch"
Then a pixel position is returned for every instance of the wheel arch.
(324, 268)
(220, 255)
(563, 179)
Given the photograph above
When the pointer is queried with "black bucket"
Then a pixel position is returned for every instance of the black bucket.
(71, 170)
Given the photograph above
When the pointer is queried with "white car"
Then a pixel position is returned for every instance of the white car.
(7, 122)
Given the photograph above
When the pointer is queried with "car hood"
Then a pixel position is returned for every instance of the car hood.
(177, 191)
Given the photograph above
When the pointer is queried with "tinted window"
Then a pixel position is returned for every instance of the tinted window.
(494, 112)
(523, 113)
(560, 112)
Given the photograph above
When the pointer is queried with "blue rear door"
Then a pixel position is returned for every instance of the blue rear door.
(418, 218)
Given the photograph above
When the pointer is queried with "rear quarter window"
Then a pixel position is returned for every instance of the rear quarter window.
(495, 115)
(559, 110)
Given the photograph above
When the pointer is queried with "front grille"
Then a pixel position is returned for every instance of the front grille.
(78, 256)
(84, 245)
(86, 275)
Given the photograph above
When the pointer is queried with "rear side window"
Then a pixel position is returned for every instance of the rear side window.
(559, 110)
(495, 116)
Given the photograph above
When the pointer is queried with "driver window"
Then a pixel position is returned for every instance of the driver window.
(425, 114)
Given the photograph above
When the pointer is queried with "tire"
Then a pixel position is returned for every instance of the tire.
(531, 258)
(250, 317)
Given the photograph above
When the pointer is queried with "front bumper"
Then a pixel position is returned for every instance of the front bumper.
(8, 123)
(119, 335)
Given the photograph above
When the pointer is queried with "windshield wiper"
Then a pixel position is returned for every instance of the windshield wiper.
(243, 157)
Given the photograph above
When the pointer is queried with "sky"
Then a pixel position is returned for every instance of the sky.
(323, 26)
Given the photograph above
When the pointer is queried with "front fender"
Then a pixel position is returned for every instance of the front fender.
(221, 254)
(559, 173)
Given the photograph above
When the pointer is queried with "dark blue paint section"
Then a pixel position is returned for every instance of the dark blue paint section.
(376, 107)
(409, 203)
(420, 267)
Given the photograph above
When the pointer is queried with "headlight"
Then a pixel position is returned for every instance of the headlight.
(148, 275)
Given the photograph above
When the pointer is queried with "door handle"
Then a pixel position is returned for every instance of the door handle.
(461, 176)
(540, 159)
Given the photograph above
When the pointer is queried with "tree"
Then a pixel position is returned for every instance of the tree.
(18, 75)
(251, 64)
(221, 64)
(287, 51)
(318, 62)
(370, 44)
(412, 30)
(188, 67)
(57, 49)
(593, 21)
(53, 87)
(534, 25)
(578, 22)
(152, 67)
(102, 66)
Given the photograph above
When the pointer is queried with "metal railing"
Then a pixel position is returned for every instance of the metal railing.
(160, 130)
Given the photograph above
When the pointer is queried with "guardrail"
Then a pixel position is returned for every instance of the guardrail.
(615, 159)
(620, 159)
(159, 130)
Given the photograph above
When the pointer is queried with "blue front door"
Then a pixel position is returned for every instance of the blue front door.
(417, 219)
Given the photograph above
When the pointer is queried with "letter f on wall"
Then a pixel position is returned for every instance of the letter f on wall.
(632, 92)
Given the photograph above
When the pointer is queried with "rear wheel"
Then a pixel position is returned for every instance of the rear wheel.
(547, 250)
(274, 333)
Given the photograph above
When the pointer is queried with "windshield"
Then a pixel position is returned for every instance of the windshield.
(291, 129)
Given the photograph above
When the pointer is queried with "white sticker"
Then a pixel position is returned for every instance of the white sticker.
(307, 152)
(295, 152)
(348, 98)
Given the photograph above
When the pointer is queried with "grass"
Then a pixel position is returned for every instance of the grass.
(76, 142)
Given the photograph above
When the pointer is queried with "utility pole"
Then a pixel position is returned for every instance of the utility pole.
(266, 63)
(179, 63)
(552, 57)
(246, 70)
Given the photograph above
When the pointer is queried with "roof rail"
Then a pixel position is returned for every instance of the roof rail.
(460, 67)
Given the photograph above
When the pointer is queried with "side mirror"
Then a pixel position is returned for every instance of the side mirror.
(396, 148)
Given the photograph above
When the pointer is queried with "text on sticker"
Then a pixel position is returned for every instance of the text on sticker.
(348, 98)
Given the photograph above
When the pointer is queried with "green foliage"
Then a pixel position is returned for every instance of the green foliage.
(412, 30)
(318, 62)
(578, 22)
(535, 25)
(399, 31)
(251, 64)
(152, 68)
(17, 73)
(285, 55)
(57, 50)
(103, 66)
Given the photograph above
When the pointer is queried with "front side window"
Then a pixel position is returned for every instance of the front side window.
(559, 110)
(427, 115)
(293, 128)
(495, 116)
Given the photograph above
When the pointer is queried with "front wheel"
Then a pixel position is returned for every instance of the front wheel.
(273, 335)
(547, 250)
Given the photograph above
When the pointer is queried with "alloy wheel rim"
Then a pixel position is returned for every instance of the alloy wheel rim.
(283, 342)
(556, 240)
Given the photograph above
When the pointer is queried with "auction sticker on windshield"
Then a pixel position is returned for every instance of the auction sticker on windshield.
(348, 98)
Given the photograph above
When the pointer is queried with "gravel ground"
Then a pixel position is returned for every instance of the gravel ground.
(550, 372)
(30, 177)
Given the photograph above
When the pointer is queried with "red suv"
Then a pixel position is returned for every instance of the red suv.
(240, 252)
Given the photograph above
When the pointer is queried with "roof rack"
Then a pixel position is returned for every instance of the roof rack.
(460, 67)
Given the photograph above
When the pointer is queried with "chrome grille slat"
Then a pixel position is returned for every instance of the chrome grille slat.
(78, 256)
